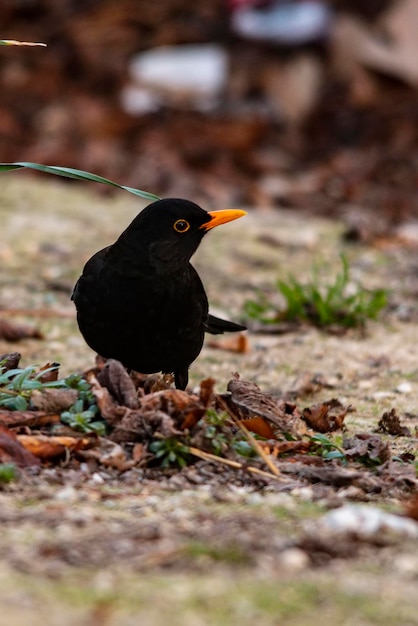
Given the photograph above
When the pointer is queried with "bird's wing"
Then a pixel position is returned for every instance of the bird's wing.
(217, 326)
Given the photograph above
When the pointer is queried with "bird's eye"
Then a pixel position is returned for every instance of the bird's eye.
(181, 226)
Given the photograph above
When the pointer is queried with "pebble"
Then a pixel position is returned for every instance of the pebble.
(368, 523)
(404, 387)
(97, 479)
(294, 560)
(305, 494)
(406, 564)
(66, 494)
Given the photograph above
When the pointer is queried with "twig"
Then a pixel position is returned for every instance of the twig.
(207, 456)
(252, 440)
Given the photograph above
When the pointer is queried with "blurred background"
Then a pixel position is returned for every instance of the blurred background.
(309, 105)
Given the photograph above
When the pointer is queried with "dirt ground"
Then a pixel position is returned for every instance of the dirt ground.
(107, 548)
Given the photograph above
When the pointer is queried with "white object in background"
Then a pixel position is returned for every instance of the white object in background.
(284, 23)
(368, 523)
(186, 76)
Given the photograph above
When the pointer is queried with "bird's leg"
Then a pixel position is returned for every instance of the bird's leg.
(181, 378)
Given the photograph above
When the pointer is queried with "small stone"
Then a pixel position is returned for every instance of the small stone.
(381, 395)
(97, 479)
(305, 494)
(406, 564)
(404, 387)
(350, 493)
(294, 559)
(368, 523)
(66, 494)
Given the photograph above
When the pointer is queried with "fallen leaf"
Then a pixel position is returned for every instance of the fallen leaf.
(116, 379)
(318, 470)
(282, 447)
(169, 412)
(44, 447)
(109, 410)
(109, 454)
(319, 416)
(411, 507)
(238, 343)
(9, 331)
(390, 423)
(31, 419)
(369, 449)
(53, 400)
(308, 384)
(247, 401)
(185, 409)
(259, 426)
(206, 391)
(51, 373)
(12, 450)
(11, 360)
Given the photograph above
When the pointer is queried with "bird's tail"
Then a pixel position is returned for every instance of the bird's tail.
(217, 326)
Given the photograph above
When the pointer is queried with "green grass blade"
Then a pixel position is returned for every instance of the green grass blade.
(14, 42)
(69, 172)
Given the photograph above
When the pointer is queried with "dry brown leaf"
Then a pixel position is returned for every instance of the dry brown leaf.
(247, 401)
(319, 416)
(367, 448)
(282, 447)
(15, 332)
(109, 410)
(411, 507)
(31, 419)
(259, 426)
(307, 384)
(185, 409)
(12, 451)
(390, 423)
(206, 391)
(238, 343)
(51, 373)
(53, 400)
(134, 426)
(11, 360)
(44, 447)
(116, 379)
(138, 452)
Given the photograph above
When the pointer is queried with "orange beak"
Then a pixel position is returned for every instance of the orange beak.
(221, 217)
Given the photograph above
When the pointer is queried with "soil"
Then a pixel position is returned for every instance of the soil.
(96, 546)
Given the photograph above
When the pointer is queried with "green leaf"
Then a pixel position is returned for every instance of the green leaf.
(8, 472)
(69, 172)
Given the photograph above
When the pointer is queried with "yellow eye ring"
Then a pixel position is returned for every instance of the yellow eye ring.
(181, 226)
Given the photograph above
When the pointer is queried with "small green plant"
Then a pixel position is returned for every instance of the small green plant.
(323, 305)
(8, 472)
(170, 452)
(244, 448)
(80, 384)
(326, 448)
(82, 419)
(16, 386)
(214, 422)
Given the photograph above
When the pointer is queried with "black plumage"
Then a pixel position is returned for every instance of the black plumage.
(141, 302)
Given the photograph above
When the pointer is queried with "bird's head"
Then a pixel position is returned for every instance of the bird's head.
(168, 232)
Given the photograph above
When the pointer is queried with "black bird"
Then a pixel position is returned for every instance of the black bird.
(141, 302)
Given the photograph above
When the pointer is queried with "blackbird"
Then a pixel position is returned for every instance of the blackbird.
(141, 302)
